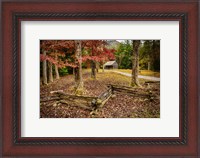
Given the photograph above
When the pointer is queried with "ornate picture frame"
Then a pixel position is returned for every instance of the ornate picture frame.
(15, 145)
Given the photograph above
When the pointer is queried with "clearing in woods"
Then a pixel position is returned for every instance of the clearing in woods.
(100, 78)
(121, 104)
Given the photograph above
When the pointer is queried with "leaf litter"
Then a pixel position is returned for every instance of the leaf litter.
(120, 105)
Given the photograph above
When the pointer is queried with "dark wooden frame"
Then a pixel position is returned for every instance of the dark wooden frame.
(185, 145)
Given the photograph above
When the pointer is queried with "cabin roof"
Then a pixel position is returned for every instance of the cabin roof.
(110, 63)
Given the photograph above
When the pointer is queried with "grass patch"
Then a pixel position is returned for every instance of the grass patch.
(142, 72)
(149, 73)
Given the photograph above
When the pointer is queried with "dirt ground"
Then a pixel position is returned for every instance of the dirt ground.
(118, 106)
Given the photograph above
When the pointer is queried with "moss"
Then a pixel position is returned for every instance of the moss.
(79, 91)
(99, 101)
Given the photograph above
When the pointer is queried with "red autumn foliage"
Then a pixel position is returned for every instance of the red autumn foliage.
(60, 48)
(98, 51)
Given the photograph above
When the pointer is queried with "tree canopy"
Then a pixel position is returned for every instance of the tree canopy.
(149, 53)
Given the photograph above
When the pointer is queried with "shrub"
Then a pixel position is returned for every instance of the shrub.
(63, 71)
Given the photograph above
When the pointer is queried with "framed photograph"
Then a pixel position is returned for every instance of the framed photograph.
(100, 79)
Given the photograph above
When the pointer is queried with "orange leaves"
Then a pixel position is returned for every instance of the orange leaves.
(59, 52)
(58, 63)
(59, 45)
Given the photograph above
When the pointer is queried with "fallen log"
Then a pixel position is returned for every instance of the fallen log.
(58, 91)
(133, 94)
(77, 97)
(103, 96)
(104, 102)
(137, 92)
(77, 105)
(151, 82)
(49, 99)
(85, 102)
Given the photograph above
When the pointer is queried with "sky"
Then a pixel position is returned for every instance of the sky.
(120, 40)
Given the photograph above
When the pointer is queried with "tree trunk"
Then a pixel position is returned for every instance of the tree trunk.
(76, 76)
(44, 69)
(93, 72)
(78, 70)
(97, 67)
(121, 56)
(50, 72)
(57, 72)
(149, 65)
(103, 67)
(56, 69)
(135, 63)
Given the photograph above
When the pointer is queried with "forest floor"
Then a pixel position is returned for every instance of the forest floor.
(118, 106)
